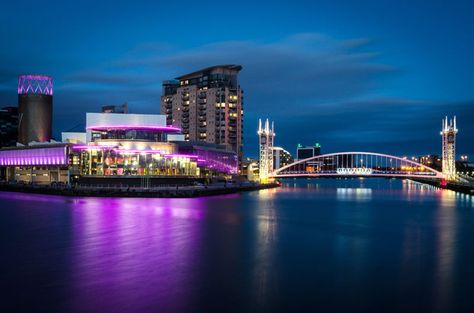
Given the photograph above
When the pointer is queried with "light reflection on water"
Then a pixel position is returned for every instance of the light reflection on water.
(341, 246)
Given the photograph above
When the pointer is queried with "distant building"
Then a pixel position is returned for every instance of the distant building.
(281, 157)
(115, 108)
(304, 152)
(8, 126)
(207, 105)
(250, 169)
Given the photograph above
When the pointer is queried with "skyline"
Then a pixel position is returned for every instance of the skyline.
(374, 69)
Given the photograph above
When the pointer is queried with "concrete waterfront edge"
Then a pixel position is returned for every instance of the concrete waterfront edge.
(161, 192)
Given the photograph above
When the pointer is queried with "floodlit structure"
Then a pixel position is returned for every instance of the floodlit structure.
(35, 108)
(448, 137)
(266, 137)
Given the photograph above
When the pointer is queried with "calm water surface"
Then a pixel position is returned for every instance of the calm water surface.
(317, 245)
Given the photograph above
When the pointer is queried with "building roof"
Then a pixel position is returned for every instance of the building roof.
(232, 67)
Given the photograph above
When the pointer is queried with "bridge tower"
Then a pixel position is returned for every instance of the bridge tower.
(266, 136)
(448, 135)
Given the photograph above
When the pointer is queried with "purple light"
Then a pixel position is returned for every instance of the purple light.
(164, 154)
(220, 161)
(34, 156)
(181, 156)
(139, 151)
(35, 84)
(86, 147)
(135, 127)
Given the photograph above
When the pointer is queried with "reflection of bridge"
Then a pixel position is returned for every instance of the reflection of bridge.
(356, 164)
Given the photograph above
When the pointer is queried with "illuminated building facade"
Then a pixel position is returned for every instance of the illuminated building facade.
(207, 105)
(125, 146)
(40, 164)
(266, 137)
(123, 150)
(35, 108)
(212, 159)
(448, 135)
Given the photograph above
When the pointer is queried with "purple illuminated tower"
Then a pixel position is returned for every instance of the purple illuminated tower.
(35, 108)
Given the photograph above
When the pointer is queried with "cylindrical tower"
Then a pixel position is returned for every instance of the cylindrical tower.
(35, 108)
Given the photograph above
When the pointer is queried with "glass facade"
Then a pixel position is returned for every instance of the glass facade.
(108, 162)
(129, 134)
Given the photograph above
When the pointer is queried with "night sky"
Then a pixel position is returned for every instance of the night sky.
(352, 75)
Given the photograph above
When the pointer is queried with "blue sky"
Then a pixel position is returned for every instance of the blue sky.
(352, 75)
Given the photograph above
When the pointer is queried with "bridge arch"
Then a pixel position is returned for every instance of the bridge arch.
(356, 164)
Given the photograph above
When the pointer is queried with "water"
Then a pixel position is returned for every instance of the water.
(318, 245)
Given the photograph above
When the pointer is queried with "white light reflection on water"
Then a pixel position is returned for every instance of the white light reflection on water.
(446, 228)
(354, 194)
(265, 272)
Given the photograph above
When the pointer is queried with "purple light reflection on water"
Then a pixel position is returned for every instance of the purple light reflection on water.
(134, 252)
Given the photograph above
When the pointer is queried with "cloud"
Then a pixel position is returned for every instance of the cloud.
(315, 87)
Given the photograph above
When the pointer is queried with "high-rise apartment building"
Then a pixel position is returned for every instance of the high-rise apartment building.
(207, 105)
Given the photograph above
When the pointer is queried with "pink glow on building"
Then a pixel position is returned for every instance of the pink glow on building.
(35, 84)
(36, 156)
(134, 127)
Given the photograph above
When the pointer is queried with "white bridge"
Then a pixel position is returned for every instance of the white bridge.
(356, 164)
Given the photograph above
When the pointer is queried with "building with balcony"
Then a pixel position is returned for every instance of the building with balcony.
(207, 105)
(281, 157)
